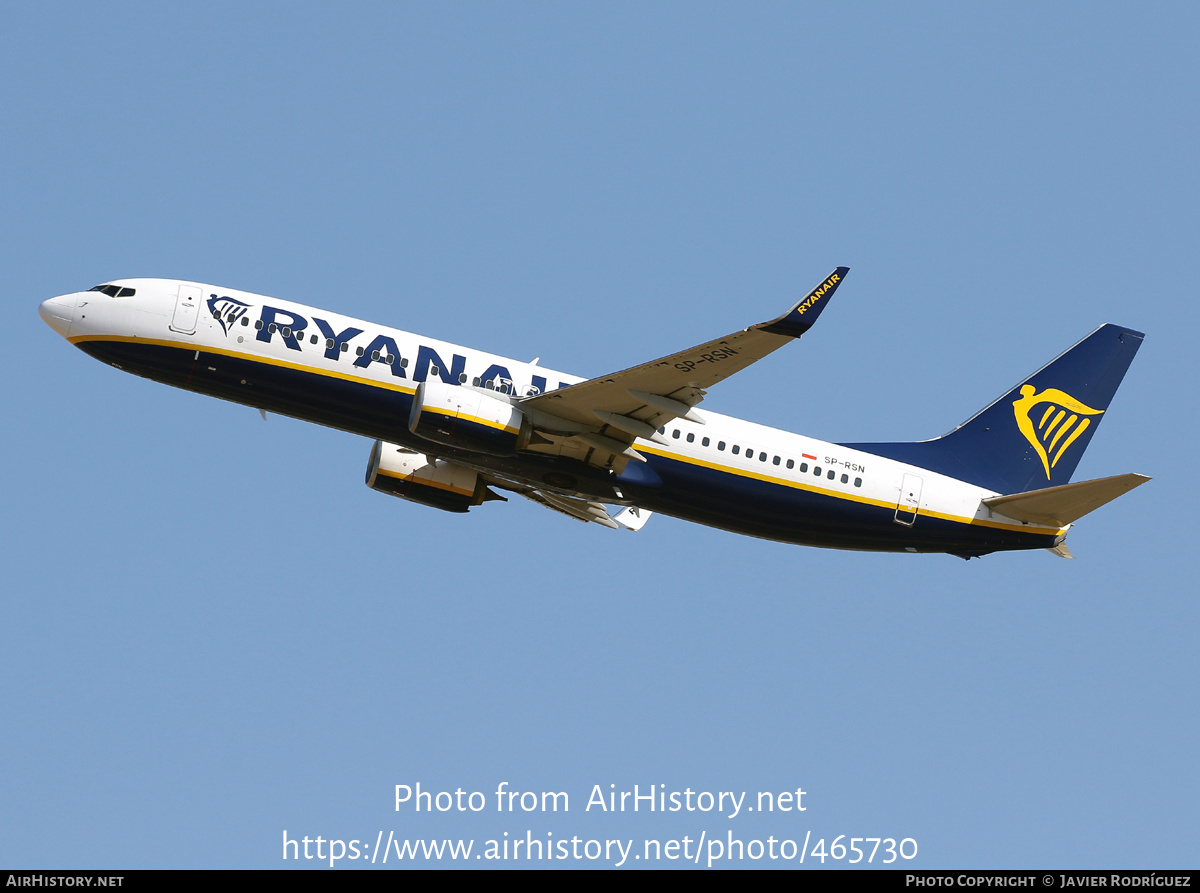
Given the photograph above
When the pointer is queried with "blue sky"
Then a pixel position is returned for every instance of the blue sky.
(215, 633)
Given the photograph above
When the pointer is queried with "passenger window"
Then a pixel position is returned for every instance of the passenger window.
(475, 381)
(374, 355)
(360, 351)
(675, 433)
(287, 332)
(735, 449)
(258, 324)
(775, 461)
(845, 479)
(662, 430)
(720, 444)
(705, 442)
(817, 470)
(804, 466)
(858, 482)
(272, 328)
(345, 346)
(462, 378)
(313, 340)
(245, 321)
(830, 475)
(691, 438)
(762, 457)
(791, 463)
(403, 363)
(749, 454)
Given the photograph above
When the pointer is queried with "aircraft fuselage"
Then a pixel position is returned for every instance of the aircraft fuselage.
(360, 377)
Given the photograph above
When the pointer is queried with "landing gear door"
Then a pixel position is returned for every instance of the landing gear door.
(910, 500)
(187, 310)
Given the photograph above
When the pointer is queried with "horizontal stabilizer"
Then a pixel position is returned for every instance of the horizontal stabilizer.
(1064, 504)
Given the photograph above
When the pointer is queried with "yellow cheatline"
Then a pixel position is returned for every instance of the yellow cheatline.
(254, 358)
(470, 418)
(795, 485)
(413, 479)
(849, 497)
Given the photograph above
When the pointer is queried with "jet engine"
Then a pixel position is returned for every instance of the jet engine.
(469, 418)
(419, 478)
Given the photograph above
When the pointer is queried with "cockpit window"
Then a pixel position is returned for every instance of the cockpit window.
(115, 291)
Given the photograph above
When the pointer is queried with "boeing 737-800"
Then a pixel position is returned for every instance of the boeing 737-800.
(452, 425)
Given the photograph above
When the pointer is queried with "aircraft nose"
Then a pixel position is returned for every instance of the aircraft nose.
(58, 312)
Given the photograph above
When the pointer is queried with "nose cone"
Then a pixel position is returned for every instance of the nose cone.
(58, 313)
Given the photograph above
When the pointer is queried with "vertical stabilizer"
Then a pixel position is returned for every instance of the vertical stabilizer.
(1033, 436)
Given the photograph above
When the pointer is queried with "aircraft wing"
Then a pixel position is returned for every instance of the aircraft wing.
(609, 412)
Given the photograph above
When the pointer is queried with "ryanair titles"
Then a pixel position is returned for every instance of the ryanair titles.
(819, 292)
(293, 330)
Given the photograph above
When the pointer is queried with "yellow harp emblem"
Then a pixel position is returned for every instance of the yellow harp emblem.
(1057, 427)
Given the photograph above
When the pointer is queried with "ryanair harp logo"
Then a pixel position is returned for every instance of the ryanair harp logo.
(1057, 427)
(226, 311)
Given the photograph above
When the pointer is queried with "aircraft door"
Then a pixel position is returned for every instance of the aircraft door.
(187, 310)
(910, 500)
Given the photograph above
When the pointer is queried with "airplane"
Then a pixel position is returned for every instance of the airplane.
(454, 427)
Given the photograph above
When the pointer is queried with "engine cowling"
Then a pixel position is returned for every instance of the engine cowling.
(469, 418)
(418, 478)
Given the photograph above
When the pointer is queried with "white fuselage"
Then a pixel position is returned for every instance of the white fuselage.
(286, 344)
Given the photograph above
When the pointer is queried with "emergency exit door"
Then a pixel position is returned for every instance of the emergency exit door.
(187, 310)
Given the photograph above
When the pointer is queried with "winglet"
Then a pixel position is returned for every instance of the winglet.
(800, 318)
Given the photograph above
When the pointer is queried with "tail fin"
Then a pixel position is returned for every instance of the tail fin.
(1033, 436)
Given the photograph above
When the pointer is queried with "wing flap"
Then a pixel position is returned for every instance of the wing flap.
(571, 506)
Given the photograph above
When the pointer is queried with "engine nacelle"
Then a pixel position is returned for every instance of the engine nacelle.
(416, 477)
(468, 418)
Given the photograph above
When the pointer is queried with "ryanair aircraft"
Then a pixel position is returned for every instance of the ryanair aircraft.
(453, 426)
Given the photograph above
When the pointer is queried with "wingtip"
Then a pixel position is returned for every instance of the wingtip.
(804, 314)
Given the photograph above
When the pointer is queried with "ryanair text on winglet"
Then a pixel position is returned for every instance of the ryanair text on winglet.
(818, 293)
